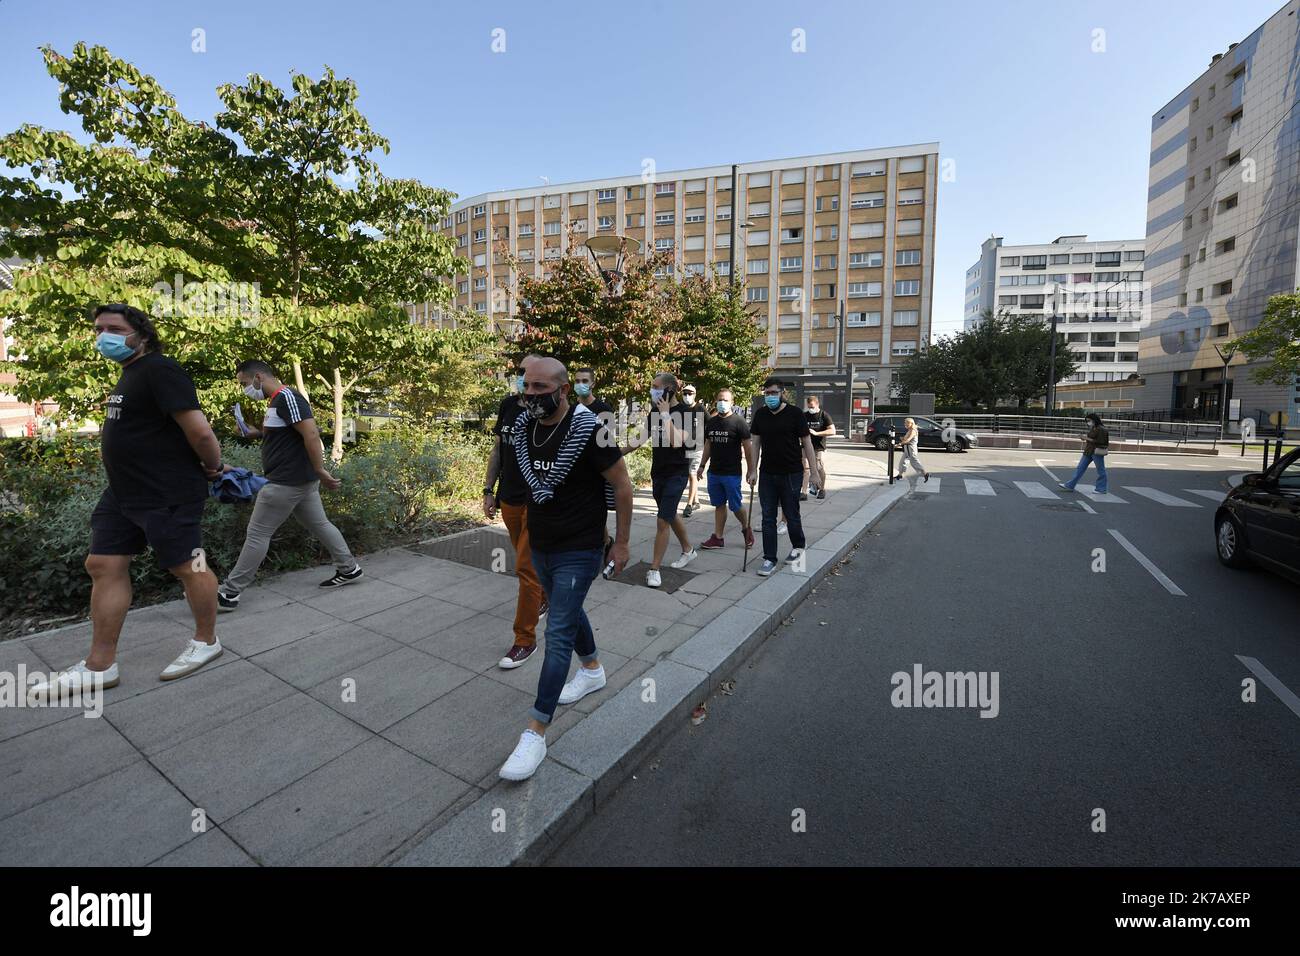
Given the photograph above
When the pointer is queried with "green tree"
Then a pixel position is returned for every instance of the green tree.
(1029, 357)
(280, 195)
(1275, 341)
(719, 330)
(626, 338)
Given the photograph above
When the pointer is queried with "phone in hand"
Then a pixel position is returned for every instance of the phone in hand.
(608, 572)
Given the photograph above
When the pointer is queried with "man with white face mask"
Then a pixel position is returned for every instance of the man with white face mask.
(294, 466)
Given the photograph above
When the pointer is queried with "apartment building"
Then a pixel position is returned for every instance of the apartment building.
(1223, 206)
(1095, 289)
(16, 418)
(817, 237)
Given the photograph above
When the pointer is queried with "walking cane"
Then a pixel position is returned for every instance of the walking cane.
(749, 526)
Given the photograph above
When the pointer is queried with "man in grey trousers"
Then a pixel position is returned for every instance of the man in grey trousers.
(294, 467)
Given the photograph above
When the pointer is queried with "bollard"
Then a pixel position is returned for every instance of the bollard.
(893, 441)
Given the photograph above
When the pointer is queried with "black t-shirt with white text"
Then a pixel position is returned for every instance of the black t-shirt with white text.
(284, 448)
(782, 434)
(511, 489)
(574, 519)
(147, 458)
(665, 459)
(818, 421)
(725, 435)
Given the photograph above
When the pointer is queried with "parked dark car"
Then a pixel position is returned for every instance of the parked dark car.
(930, 431)
(1259, 521)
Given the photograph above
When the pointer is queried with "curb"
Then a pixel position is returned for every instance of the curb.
(522, 824)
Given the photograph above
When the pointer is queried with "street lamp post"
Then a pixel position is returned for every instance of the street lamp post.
(731, 252)
(1223, 389)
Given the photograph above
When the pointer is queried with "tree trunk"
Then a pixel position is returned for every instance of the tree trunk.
(337, 454)
(297, 379)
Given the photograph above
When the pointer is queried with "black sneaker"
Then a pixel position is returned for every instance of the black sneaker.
(343, 577)
(227, 602)
(821, 494)
(803, 496)
(688, 511)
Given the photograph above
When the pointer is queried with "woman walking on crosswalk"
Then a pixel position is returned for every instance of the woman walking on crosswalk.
(1095, 445)
(910, 441)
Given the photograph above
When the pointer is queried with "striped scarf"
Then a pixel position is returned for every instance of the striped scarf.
(581, 426)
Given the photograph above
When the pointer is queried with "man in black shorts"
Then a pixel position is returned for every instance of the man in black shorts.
(159, 454)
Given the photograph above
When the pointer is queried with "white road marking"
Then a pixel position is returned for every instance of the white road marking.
(1090, 491)
(1212, 495)
(1272, 683)
(1035, 489)
(1143, 560)
(978, 486)
(930, 487)
(1156, 495)
(1087, 507)
(1043, 462)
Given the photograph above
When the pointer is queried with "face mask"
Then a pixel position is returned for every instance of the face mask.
(583, 389)
(543, 406)
(656, 395)
(254, 391)
(772, 401)
(113, 346)
(724, 408)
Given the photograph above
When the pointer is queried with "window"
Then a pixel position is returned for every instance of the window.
(665, 243)
(722, 268)
(551, 202)
(635, 192)
(862, 319)
(1081, 278)
(789, 321)
(759, 209)
(577, 199)
(910, 197)
(874, 168)
(480, 306)
(1134, 255)
(757, 180)
(1034, 262)
(827, 203)
(757, 267)
(606, 195)
(579, 225)
(1010, 260)
(790, 177)
(695, 186)
(791, 206)
(462, 287)
(1223, 288)
(1007, 300)
(757, 237)
(789, 350)
(828, 233)
(722, 184)
(1219, 331)
(1008, 280)
(1225, 245)
(635, 219)
(480, 235)
(867, 200)
(826, 291)
(525, 205)
(604, 222)
(722, 212)
(1080, 257)
(525, 229)
(480, 259)
(792, 264)
(480, 283)
(907, 287)
(694, 215)
(694, 268)
(756, 294)
(907, 257)
(1200, 254)
(693, 243)
(816, 349)
(665, 218)
(722, 240)
(1229, 203)
(861, 348)
(1200, 295)
(859, 290)
(1031, 301)
(462, 216)
(792, 235)
(866, 260)
(903, 348)
(1062, 259)
(913, 164)
(825, 262)
(907, 317)
(551, 229)
(665, 189)
(909, 227)
(480, 210)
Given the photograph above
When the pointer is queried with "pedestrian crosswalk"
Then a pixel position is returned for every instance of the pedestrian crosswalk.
(1037, 490)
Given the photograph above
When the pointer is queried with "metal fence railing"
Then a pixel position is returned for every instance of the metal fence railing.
(1121, 429)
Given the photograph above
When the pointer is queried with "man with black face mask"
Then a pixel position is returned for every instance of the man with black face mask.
(565, 458)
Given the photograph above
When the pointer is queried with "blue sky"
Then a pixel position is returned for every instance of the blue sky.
(1048, 136)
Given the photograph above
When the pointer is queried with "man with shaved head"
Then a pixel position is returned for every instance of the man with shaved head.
(565, 456)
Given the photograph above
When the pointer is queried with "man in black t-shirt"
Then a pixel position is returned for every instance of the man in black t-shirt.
(511, 495)
(669, 430)
(819, 427)
(725, 436)
(584, 384)
(782, 433)
(565, 457)
(694, 428)
(293, 464)
(159, 452)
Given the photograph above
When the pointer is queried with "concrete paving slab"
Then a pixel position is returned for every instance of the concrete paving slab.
(52, 760)
(412, 621)
(310, 660)
(249, 632)
(212, 848)
(390, 688)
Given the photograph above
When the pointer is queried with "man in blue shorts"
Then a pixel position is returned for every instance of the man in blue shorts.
(725, 436)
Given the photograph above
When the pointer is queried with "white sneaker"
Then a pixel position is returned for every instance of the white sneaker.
(653, 579)
(528, 756)
(782, 529)
(191, 659)
(586, 681)
(795, 554)
(70, 683)
(766, 568)
(686, 558)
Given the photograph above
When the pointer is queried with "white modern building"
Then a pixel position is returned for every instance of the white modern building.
(1095, 289)
(1223, 209)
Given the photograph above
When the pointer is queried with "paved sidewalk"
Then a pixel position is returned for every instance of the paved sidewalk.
(285, 771)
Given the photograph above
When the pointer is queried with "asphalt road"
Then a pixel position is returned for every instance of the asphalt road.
(1113, 694)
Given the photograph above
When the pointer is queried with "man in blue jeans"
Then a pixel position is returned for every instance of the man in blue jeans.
(565, 456)
(783, 444)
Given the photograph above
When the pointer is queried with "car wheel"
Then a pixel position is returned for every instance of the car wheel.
(955, 445)
(883, 443)
(1230, 542)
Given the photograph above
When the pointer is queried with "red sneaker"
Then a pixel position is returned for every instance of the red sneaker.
(713, 542)
(518, 655)
(749, 538)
